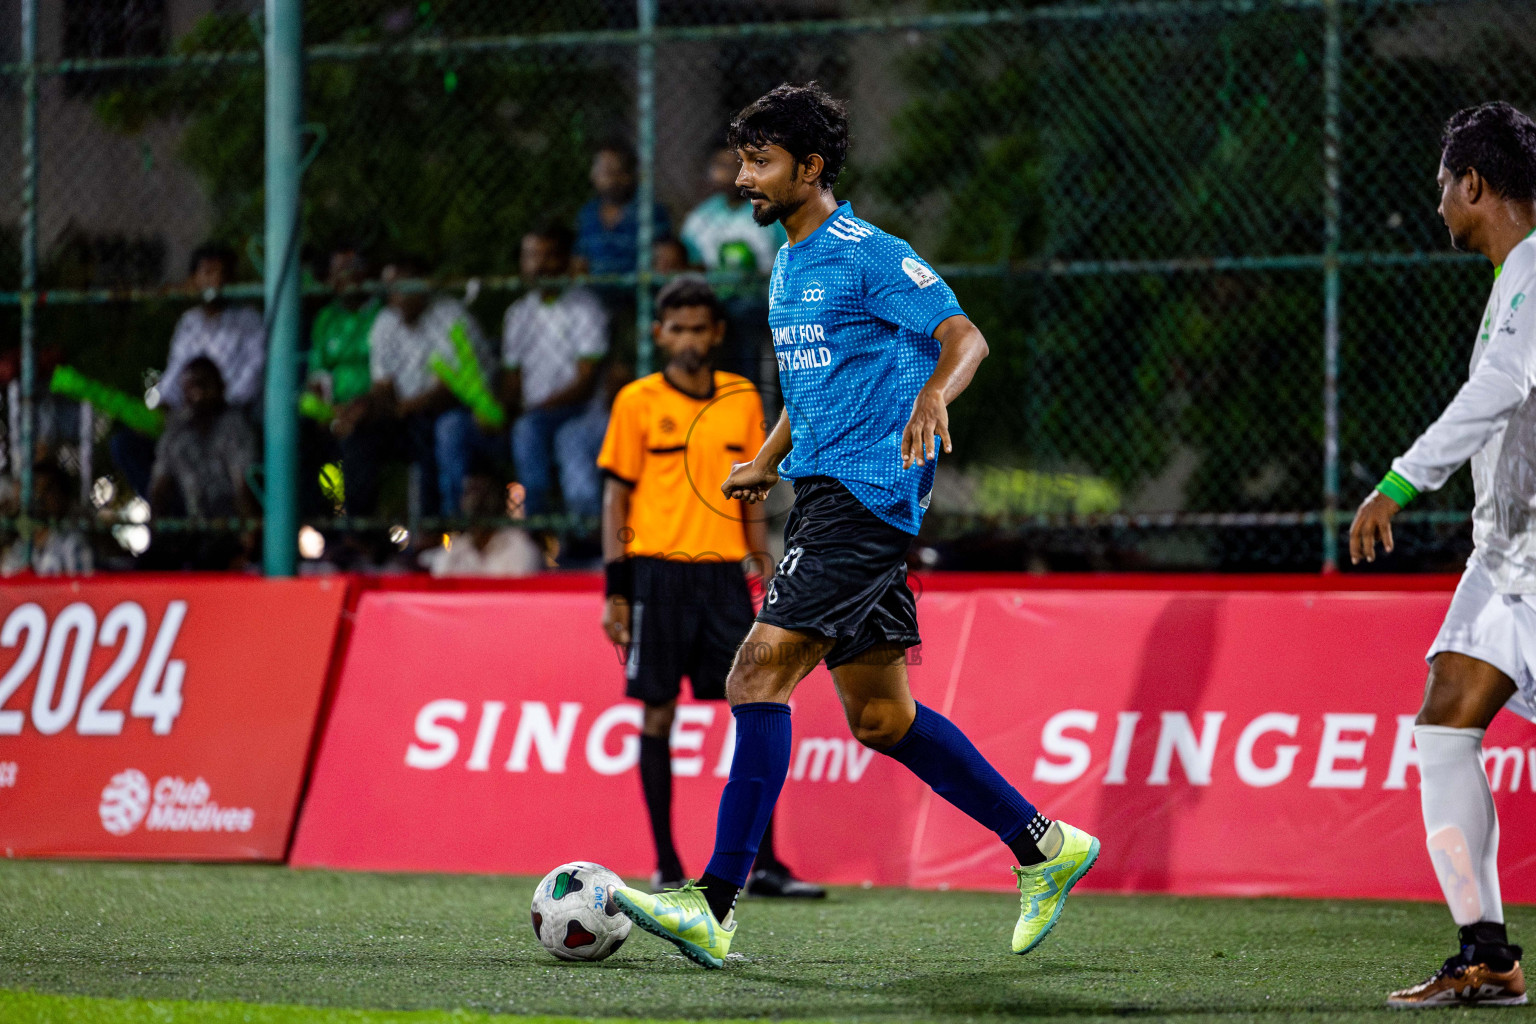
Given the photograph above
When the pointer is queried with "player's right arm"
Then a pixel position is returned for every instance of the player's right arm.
(622, 459)
(751, 481)
(1502, 380)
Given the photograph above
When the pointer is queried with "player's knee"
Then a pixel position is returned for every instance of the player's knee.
(657, 720)
(878, 727)
(1463, 693)
(746, 685)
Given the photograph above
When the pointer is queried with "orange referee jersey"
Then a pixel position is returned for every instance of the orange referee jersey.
(676, 450)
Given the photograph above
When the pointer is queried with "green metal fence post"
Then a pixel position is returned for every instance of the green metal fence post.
(280, 278)
(1332, 58)
(645, 193)
(28, 307)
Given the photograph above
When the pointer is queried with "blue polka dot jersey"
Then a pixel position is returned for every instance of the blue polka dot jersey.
(853, 311)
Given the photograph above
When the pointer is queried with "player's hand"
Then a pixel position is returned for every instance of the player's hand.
(749, 482)
(616, 619)
(930, 416)
(1373, 520)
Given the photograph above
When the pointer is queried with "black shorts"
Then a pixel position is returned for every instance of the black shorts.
(685, 619)
(844, 574)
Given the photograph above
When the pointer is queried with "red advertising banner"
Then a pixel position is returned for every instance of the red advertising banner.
(1238, 743)
(489, 732)
(1218, 742)
(165, 718)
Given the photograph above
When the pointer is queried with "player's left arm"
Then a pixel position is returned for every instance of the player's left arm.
(961, 350)
(1504, 378)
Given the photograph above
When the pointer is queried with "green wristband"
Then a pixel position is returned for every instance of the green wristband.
(1397, 487)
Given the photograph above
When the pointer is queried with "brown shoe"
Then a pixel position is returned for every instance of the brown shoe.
(1459, 983)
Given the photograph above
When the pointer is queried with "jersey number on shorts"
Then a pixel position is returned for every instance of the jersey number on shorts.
(787, 566)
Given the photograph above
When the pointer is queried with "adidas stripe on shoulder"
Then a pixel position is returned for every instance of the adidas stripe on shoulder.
(848, 229)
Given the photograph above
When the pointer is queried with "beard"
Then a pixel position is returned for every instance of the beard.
(692, 361)
(769, 213)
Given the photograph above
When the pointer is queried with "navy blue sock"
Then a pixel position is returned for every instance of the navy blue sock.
(938, 753)
(758, 768)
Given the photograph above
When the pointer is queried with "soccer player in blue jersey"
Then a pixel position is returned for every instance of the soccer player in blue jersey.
(872, 347)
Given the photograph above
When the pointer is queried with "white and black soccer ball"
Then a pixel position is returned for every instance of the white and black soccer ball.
(574, 914)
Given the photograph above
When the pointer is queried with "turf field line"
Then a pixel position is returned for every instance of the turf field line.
(21, 1007)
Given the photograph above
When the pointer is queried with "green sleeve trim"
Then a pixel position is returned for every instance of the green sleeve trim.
(1397, 487)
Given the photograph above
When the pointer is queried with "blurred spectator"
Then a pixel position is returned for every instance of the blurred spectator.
(608, 227)
(485, 549)
(233, 337)
(552, 342)
(720, 233)
(408, 408)
(201, 467)
(338, 369)
(56, 550)
(338, 353)
(668, 256)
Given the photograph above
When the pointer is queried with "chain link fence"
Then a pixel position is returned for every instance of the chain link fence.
(1200, 237)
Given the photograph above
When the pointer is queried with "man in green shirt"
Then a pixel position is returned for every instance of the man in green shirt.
(338, 352)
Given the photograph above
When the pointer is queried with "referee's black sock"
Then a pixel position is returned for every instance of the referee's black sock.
(766, 857)
(719, 894)
(656, 781)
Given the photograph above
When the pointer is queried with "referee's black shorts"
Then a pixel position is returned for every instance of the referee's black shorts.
(843, 575)
(685, 619)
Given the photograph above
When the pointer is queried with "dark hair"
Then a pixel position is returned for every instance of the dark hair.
(410, 264)
(206, 365)
(213, 251)
(1500, 142)
(558, 233)
(803, 119)
(342, 245)
(686, 291)
(321, 257)
(51, 470)
(625, 152)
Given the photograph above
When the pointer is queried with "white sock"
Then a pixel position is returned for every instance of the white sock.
(1460, 823)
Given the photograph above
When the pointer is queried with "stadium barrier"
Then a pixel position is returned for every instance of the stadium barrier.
(1223, 735)
(160, 718)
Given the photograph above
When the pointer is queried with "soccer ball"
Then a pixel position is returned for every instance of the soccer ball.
(574, 914)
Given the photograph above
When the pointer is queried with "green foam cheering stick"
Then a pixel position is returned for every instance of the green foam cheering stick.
(316, 408)
(467, 381)
(123, 407)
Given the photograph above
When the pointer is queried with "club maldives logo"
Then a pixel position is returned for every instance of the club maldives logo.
(178, 806)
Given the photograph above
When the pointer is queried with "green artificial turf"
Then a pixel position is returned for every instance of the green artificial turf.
(37, 1008)
(270, 935)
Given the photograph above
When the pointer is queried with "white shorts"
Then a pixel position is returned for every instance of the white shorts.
(1496, 628)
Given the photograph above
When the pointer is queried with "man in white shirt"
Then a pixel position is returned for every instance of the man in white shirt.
(440, 434)
(552, 342)
(1484, 658)
(486, 549)
(234, 337)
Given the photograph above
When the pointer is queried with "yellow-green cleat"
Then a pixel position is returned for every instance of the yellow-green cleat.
(682, 918)
(1043, 887)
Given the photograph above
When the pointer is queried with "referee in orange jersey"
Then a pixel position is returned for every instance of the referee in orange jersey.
(676, 550)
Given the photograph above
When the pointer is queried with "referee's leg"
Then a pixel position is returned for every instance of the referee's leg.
(656, 784)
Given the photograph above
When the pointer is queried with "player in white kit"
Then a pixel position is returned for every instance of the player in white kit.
(1484, 658)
